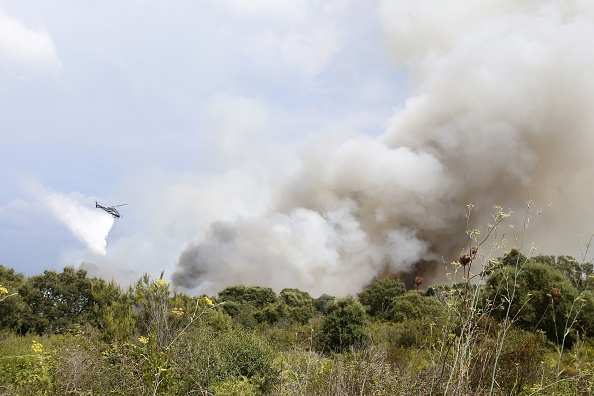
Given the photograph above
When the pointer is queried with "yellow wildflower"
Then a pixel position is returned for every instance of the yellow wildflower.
(3, 290)
(143, 340)
(37, 347)
(209, 301)
(161, 282)
(177, 311)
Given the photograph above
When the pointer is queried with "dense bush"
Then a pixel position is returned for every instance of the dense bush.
(14, 310)
(542, 299)
(344, 326)
(379, 297)
(257, 296)
(518, 365)
(414, 306)
(299, 305)
(250, 305)
(205, 359)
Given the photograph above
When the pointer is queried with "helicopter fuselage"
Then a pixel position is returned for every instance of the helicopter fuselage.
(110, 209)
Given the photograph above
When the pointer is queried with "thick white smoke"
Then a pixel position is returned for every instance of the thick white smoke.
(502, 106)
(88, 224)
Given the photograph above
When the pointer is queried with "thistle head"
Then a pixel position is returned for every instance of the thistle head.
(555, 293)
(464, 259)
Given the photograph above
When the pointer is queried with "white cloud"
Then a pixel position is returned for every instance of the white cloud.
(236, 122)
(26, 50)
(312, 49)
(283, 11)
(303, 35)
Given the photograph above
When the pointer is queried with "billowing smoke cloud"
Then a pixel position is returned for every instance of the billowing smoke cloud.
(502, 106)
(89, 225)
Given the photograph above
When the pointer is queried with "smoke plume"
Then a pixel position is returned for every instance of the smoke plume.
(501, 106)
(89, 225)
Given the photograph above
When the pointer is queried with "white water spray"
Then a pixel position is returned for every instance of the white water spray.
(89, 225)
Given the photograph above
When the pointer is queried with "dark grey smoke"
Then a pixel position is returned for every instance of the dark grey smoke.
(503, 106)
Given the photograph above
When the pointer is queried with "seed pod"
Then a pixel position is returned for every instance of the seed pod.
(464, 259)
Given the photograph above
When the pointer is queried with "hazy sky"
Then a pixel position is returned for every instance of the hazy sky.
(148, 102)
(288, 143)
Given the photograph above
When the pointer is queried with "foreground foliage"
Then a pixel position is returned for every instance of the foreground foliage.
(508, 325)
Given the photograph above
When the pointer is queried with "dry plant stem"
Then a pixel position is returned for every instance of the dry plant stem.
(549, 386)
(506, 321)
(469, 314)
(586, 248)
(566, 330)
(193, 318)
(10, 295)
(309, 357)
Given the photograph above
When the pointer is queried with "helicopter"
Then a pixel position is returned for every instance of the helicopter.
(110, 209)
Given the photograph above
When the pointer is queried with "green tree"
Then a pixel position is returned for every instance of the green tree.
(250, 305)
(300, 305)
(14, 311)
(293, 306)
(581, 275)
(57, 300)
(344, 326)
(321, 303)
(257, 296)
(414, 306)
(542, 298)
(112, 311)
(378, 297)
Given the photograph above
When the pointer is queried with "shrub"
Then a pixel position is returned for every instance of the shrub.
(519, 363)
(299, 305)
(542, 298)
(257, 296)
(250, 305)
(344, 326)
(413, 306)
(379, 297)
(26, 365)
(321, 303)
(14, 310)
(203, 359)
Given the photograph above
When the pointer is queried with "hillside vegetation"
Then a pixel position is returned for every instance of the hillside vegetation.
(515, 324)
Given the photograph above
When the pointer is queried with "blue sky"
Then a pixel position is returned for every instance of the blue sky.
(292, 143)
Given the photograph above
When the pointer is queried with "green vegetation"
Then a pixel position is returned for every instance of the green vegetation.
(506, 323)
(379, 296)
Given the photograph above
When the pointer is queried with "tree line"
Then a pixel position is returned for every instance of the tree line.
(252, 340)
